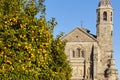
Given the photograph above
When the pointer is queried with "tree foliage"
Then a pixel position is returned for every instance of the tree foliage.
(28, 50)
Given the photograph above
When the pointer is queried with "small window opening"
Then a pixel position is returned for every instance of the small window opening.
(111, 16)
(83, 54)
(73, 53)
(78, 52)
(105, 16)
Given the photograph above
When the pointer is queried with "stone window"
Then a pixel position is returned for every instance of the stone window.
(73, 53)
(78, 53)
(105, 16)
(82, 54)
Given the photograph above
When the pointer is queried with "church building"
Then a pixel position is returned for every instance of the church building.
(91, 56)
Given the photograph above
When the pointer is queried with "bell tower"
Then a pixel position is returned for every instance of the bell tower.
(105, 25)
(104, 37)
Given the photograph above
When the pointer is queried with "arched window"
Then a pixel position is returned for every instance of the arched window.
(78, 53)
(105, 16)
(73, 53)
(83, 55)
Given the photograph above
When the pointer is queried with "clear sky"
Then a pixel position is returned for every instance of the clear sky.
(75, 13)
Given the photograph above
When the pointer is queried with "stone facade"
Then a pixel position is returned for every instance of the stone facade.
(90, 56)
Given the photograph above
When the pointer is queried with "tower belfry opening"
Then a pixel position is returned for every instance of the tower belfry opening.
(104, 16)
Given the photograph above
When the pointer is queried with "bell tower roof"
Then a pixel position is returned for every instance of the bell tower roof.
(105, 4)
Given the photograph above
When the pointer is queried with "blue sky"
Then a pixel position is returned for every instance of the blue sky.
(71, 13)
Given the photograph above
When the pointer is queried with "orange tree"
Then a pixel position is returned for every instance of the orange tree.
(28, 50)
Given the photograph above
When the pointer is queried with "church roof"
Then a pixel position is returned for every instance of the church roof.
(79, 34)
(105, 3)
